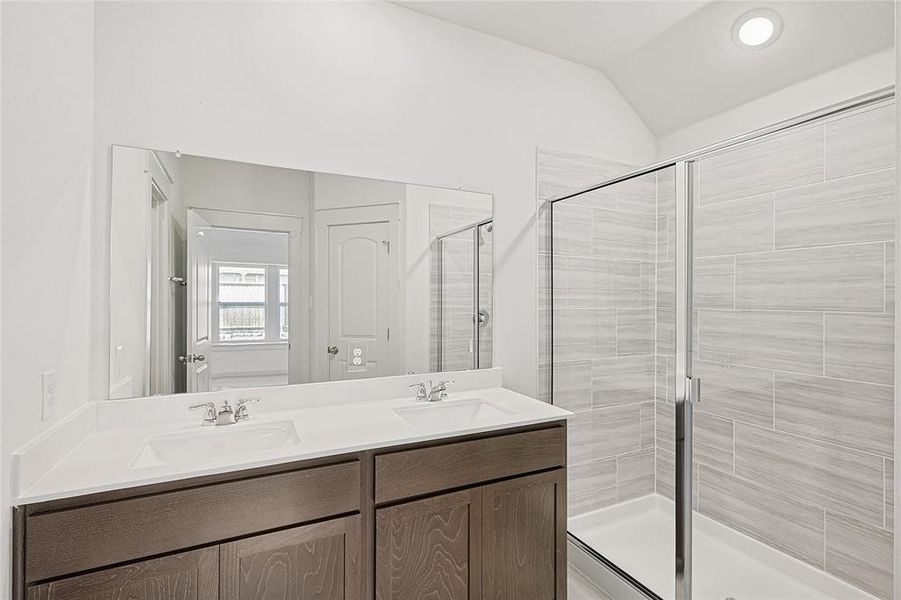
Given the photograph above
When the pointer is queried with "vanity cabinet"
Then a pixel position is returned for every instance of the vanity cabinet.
(498, 542)
(479, 517)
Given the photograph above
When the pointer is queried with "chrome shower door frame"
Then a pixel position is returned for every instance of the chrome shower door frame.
(683, 397)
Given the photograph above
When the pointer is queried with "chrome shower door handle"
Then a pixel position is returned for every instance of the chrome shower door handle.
(694, 390)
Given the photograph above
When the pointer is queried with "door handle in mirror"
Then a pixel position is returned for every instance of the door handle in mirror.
(332, 350)
(191, 358)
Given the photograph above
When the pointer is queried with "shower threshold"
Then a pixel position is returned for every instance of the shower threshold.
(638, 537)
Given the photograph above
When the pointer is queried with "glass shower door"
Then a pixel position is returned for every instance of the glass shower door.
(792, 244)
(613, 327)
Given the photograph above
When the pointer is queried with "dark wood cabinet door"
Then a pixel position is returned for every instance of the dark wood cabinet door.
(186, 576)
(430, 549)
(524, 538)
(312, 562)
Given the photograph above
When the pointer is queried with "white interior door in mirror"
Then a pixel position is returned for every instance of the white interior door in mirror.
(199, 292)
(361, 281)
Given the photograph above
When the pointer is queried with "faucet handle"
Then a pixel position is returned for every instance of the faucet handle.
(421, 393)
(210, 415)
(441, 388)
(241, 413)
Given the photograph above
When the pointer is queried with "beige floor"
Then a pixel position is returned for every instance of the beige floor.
(580, 588)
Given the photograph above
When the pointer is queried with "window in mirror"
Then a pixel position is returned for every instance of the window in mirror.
(242, 303)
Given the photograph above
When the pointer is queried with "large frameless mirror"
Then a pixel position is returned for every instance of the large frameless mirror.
(230, 275)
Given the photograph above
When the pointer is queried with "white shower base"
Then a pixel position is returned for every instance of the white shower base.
(639, 538)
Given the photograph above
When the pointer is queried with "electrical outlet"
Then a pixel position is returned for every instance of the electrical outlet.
(48, 397)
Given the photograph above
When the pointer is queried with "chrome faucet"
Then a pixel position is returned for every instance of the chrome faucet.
(432, 393)
(225, 415)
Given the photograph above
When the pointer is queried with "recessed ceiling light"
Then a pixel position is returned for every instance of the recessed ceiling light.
(757, 29)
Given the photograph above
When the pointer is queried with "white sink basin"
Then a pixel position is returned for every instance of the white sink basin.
(450, 412)
(215, 442)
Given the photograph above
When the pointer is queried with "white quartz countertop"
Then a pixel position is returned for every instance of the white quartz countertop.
(104, 459)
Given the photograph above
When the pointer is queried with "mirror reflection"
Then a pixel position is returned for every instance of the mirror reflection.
(230, 275)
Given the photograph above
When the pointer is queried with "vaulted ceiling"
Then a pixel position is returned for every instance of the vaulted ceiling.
(675, 61)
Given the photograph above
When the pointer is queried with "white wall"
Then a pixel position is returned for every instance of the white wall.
(337, 191)
(228, 185)
(860, 77)
(367, 89)
(45, 224)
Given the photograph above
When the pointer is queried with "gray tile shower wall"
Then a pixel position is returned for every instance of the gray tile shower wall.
(793, 337)
(604, 254)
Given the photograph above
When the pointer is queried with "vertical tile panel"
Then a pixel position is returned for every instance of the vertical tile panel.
(591, 485)
(571, 229)
(861, 142)
(617, 235)
(618, 284)
(859, 553)
(560, 173)
(775, 162)
(792, 341)
(616, 430)
(839, 479)
(744, 225)
(713, 283)
(860, 347)
(834, 278)
(622, 380)
(572, 385)
(634, 475)
(843, 211)
(777, 520)
(636, 195)
(849, 413)
(635, 331)
(583, 334)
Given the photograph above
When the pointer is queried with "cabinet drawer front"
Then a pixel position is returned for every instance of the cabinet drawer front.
(420, 471)
(69, 541)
